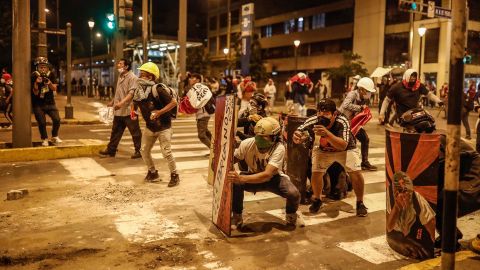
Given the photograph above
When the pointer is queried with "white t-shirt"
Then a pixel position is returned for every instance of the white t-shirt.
(270, 90)
(257, 161)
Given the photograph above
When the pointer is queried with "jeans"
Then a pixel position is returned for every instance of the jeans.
(119, 125)
(279, 184)
(362, 136)
(164, 138)
(465, 123)
(52, 111)
(203, 133)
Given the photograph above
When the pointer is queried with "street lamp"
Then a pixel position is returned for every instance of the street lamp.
(296, 43)
(225, 51)
(99, 35)
(91, 24)
(421, 32)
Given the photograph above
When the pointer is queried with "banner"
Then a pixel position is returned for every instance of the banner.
(223, 162)
(297, 157)
(247, 29)
(411, 164)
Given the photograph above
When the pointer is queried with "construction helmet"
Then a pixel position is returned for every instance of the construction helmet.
(41, 60)
(151, 68)
(367, 84)
(267, 126)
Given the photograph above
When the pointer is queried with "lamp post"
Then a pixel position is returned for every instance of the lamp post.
(91, 24)
(421, 32)
(225, 51)
(296, 43)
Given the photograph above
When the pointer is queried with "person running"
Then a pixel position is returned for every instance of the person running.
(354, 103)
(203, 117)
(121, 104)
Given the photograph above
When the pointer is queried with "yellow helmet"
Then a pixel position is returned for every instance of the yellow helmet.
(151, 68)
(267, 126)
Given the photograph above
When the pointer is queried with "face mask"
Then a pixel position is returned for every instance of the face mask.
(262, 143)
(411, 84)
(120, 70)
(324, 121)
(367, 95)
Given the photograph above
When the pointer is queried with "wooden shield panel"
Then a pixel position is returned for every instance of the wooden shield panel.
(223, 162)
(411, 164)
(297, 157)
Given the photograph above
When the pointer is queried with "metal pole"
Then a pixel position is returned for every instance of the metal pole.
(69, 106)
(145, 30)
(452, 155)
(229, 30)
(22, 125)
(58, 22)
(410, 40)
(296, 59)
(90, 92)
(420, 60)
(42, 23)
(182, 38)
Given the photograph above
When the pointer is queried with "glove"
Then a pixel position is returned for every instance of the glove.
(254, 117)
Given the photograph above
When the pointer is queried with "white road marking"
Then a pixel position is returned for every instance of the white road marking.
(178, 146)
(375, 250)
(377, 161)
(183, 154)
(101, 130)
(182, 165)
(84, 168)
(184, 135)
(374, 177)
(377, 150)
(250, 197)
(469, 225)
(190, 165)
(97, 105)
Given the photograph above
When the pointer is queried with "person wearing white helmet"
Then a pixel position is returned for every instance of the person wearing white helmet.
(406, 95)
(264, 155)
(121, 119)
(354, 103)
(155, 104)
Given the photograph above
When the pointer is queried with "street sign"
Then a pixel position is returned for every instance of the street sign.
(431, 9)
(52, 31)
(443, 12)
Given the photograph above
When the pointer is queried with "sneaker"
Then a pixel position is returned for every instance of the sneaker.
(136, 155)
(475, 244)
(294, 220)
(106, 153)
(237, 221)
(174, 180)
(152, 176)
(315, 206)
(366, 166)
(56, 140)
(361, 210)
(45, 142)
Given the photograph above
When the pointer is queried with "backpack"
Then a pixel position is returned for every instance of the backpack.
(210, 106)
(173, 94)
(337, 182)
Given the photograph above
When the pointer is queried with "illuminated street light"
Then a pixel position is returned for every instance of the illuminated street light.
(47, 10)
(421, 32)
(91, 24)
(296, 43)
(99, 35)
(140, 18)
(225, 51)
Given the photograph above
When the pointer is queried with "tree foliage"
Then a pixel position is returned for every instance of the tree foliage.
(197, 59)
(352, 65)
(6, 33)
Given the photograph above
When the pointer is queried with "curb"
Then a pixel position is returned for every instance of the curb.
(50, 152)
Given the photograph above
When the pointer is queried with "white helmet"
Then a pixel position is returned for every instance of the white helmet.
(367, 84)
(267, 126)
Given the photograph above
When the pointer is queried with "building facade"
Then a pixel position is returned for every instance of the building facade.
(375, 29)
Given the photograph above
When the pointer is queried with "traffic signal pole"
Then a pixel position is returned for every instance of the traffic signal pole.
(182, 38)
(22, 125)
(145, 30)
(452, 157)
(42, 23)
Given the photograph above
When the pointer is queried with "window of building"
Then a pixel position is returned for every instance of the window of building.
(300, 24)
(432, 39)
(277, 29)
(393, 15)
(474, 10)
(223, 20)
(289, 26)
(212, 22)
(473, 46)
(222, 42)
(267, 31)
(318, 21)
(235, 16)
(339, 17)
(212, 47)
(396, 49)
(278, 52)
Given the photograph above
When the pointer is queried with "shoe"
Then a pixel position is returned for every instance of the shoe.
(366, 166)
(136, 155)
(295, 220)
(56, 140)
(174, 180)
(315, 206)
(475, 244)
(361, 210)
(468, 137)
(45, 142)
(152, 176)
(106, 153)
(237, 221)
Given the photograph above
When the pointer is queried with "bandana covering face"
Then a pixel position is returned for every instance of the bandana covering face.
(142, 89)
(406, 79)
(262, 143)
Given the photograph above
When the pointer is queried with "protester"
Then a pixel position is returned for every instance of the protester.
(264, 154)
(122, 105)
(477, 110)
(251, 116)
(300, 85)
(354, 103)
(44, 86)
(202, 115)
(467, 106)
(444, 98)
(270, 90)
(406, 94)
(6, 94)
(155, 104)
(336, 144)
(247, 87)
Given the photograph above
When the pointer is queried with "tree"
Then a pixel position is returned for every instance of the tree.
(6, 34)
(198, 60)
(352, 65)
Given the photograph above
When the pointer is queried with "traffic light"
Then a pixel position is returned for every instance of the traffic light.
(408, 6)
(467, 59)
(110, 21)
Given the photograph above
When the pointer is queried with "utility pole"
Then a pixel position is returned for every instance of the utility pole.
(42, 23)
(58, 22)
(68, 79)
(452, 157)
(145, 30)
(229, 31)
(117, 41)
(22, 125)
(182, 38)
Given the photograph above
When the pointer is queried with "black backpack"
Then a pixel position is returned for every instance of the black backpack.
(337, 182)
(210, 106)
(173, 94)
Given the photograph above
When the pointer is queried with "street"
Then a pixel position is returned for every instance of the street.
(98, 213)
